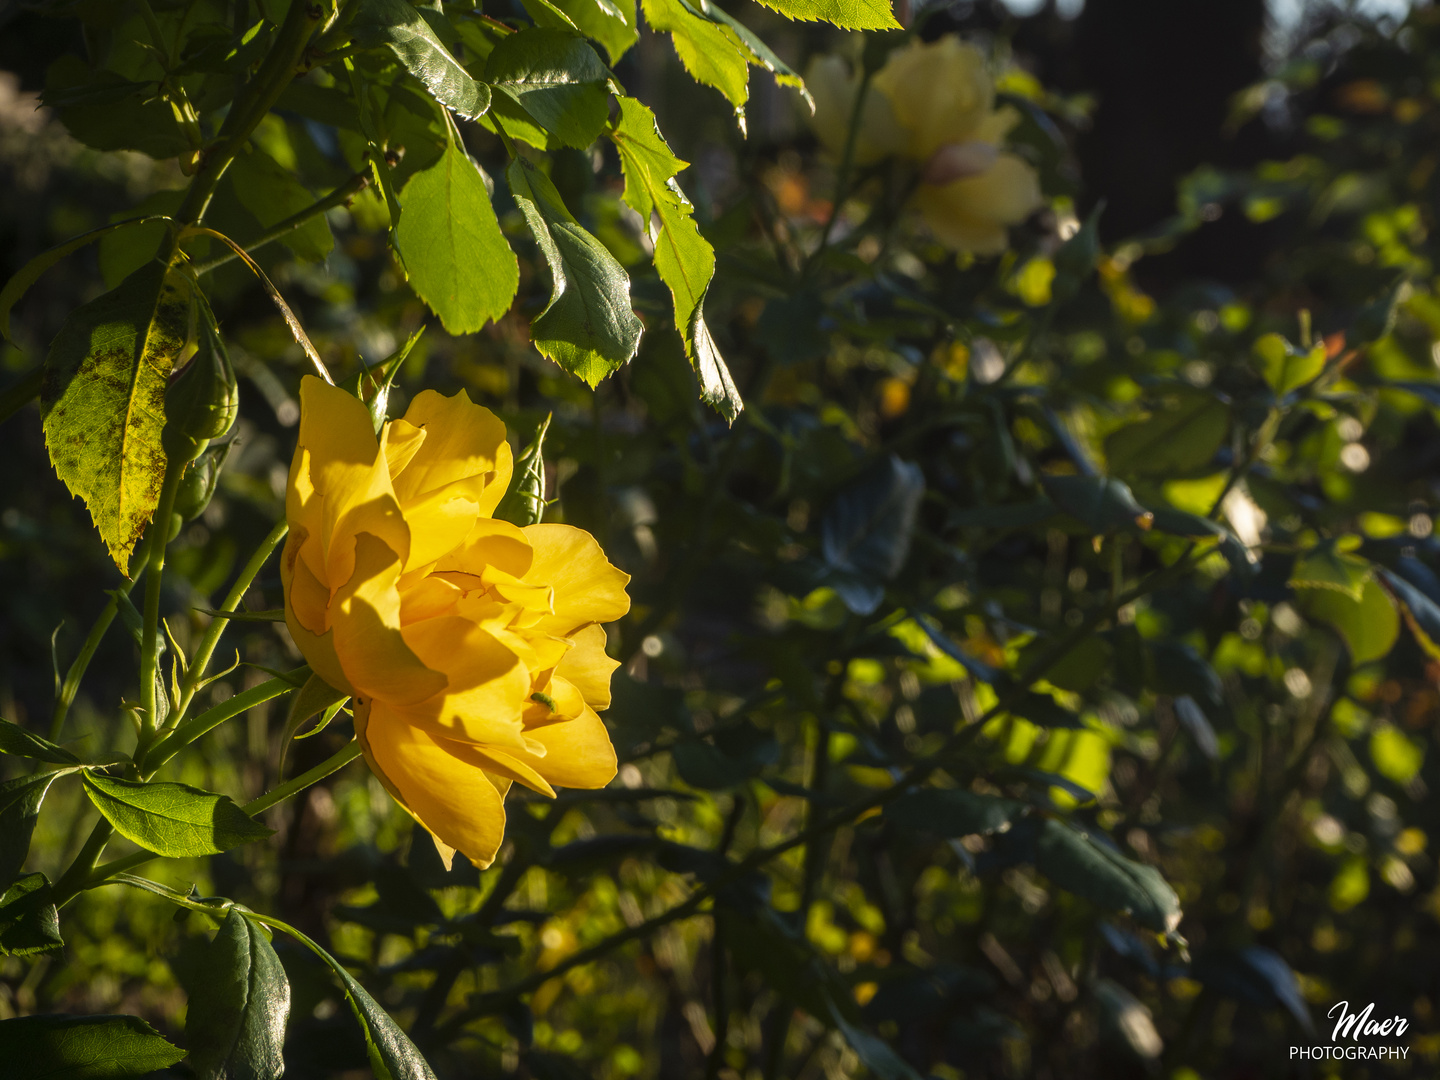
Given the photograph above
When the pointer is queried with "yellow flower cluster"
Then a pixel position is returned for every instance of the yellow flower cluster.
(473, 648)
(934, 104)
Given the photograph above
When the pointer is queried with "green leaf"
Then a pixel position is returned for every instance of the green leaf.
(865, 534)
(454, 253)
(1283, 366)
(1082, 865)
(524, 503)
(272, 193)
(1101, 503)
(21, 743)
(556, 78)
(1421, 613)
(1326, 567)
(1369, 625)
(1376, 319)
(399, 26)
(755, 51)
(124, 251)
(20, 801)
(712, 54)
(1078, 669)
(29, 923)
(1075, 258)
(83, 1047)
(392, 1055)
(316, 696)
(1397, 757)
(878, 1056)
(952, 812)
(103, 400)
(174, 820)
(683, 258)
(847, 14)
(1124, 1022)
(109, 112)
(1183, 434)
(588, 327)
(327, 104)
(235, 1026)
(28, 274)
(610, 22)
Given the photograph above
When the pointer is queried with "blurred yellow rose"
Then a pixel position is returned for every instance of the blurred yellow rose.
(934, 104)
(473, 648)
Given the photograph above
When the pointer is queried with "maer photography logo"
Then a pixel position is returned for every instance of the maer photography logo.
(1358, 1036)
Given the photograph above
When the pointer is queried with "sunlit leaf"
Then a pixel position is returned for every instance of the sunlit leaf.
(235, 1026)
(398, 26)
(683, 257)
(103, 400)
(446, 234)
(588, 327)
(174, 820)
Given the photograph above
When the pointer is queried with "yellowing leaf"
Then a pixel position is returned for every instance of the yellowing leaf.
(103, 400)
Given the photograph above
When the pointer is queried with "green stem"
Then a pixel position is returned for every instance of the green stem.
(842, 177)
(259, 95)
(188, 731)
(211, 638)
(295, 784)
(99, 875)
(75, 879)
(340, 195)
(154, 570)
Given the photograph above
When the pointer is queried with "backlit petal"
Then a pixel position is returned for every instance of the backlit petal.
(462, 441)
(450, 796)
(587, 588)
(589, 667)
(578, 753)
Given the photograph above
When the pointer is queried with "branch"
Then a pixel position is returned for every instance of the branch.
(343, 194)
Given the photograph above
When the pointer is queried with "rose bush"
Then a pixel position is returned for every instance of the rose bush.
(473, 648)
(933, 103)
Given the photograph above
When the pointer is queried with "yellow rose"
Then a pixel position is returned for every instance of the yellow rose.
(833, 87)
(473, 648)
(934, 104)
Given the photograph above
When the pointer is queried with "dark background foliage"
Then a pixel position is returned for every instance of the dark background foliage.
(909, 525)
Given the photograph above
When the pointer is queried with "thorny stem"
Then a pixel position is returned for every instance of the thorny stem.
(255, 101)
